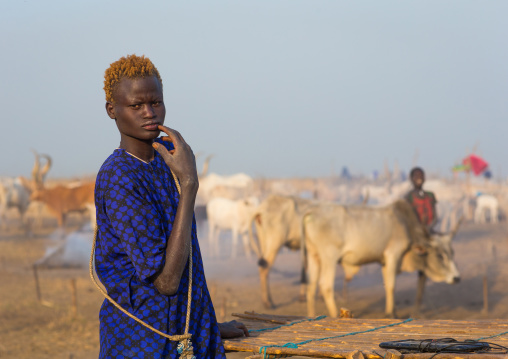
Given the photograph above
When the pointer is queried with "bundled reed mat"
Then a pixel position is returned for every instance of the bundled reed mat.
(277, 336)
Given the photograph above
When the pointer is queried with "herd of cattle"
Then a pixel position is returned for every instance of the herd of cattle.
(350, 222)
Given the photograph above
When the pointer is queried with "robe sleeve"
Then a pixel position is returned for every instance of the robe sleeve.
(137, 224)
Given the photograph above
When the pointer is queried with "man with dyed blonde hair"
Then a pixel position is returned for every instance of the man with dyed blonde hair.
(146, 228)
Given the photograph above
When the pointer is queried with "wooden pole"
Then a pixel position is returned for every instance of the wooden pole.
(344, 289)
(37, 288)
(74, 294)
(485, 309)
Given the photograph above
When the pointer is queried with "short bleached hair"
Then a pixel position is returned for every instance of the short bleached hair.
(130, 66)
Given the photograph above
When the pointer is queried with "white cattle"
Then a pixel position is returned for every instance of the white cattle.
(278, 223)
(486, 203)
(234, 215)
(376, 195)
(384, 195)
(354, 236)
(210, 183)
(15, 192)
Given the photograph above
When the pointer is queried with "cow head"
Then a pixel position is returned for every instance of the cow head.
(435, 258)
(38, 173)
(251, 202)
(37, 195)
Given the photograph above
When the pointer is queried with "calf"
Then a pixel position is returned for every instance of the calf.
(223, 213)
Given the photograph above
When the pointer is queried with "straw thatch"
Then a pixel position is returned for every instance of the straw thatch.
(363, 344)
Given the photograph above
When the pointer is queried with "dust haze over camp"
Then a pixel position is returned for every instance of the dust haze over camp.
(306, 118)
(292, 88)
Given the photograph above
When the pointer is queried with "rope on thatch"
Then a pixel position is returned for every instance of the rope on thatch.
(263, 349)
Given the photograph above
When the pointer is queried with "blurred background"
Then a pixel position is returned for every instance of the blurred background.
(326, 101)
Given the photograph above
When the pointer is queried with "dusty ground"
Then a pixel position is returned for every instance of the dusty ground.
(31, 330)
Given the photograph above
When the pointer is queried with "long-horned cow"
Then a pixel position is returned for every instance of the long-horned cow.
(354, 236)
(61, 200)
(278, 223)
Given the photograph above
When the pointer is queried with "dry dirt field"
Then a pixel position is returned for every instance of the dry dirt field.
(31, 330)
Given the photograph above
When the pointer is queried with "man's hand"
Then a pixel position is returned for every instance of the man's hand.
(181, 160)
(233, 329)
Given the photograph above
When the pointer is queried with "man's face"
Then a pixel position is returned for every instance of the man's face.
(418, 178)
(138, 108)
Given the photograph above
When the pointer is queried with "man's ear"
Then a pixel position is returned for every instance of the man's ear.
(110, 109)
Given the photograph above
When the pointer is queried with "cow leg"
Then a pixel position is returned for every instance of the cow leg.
(210, 234)
(494, 214)
(246, 245)
(313, 275)
(216, 239)
(234, 235)
(326, 284)
(422, 278)
(270, 247)
(265, 290)
(212, 237)
(24, 222)
(389, 273)
(61, 225)
(477, 214)
(93, 215)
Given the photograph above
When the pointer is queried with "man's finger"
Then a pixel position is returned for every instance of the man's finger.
(171, 132)
(241, 326)
(167, 155)
(172, 135)
(245, 330)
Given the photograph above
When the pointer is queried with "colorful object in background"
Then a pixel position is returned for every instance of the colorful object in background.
(476, 163)
(461, 168)
(473, 163)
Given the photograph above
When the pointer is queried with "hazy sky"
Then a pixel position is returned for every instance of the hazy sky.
(271, 88)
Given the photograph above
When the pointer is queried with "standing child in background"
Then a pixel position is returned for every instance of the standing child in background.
(423, 202)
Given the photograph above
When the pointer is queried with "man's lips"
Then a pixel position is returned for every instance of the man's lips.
(151, 126)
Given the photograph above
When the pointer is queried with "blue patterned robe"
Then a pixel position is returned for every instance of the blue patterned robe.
(136, 206)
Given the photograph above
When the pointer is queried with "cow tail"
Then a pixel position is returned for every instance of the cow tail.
(303, 252)
(252, 240)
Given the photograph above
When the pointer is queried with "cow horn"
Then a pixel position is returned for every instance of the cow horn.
(366, 198)
(36, 168)
(44, 171)
(206, 165)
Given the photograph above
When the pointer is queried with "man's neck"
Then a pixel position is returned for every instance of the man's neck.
(419, 191)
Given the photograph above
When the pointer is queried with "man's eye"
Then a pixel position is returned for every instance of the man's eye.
(136, 106)
(156, 103)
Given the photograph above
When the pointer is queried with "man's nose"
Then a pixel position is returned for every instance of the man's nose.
(149, 111)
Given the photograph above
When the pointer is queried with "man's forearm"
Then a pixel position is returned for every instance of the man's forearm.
(178, 245)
